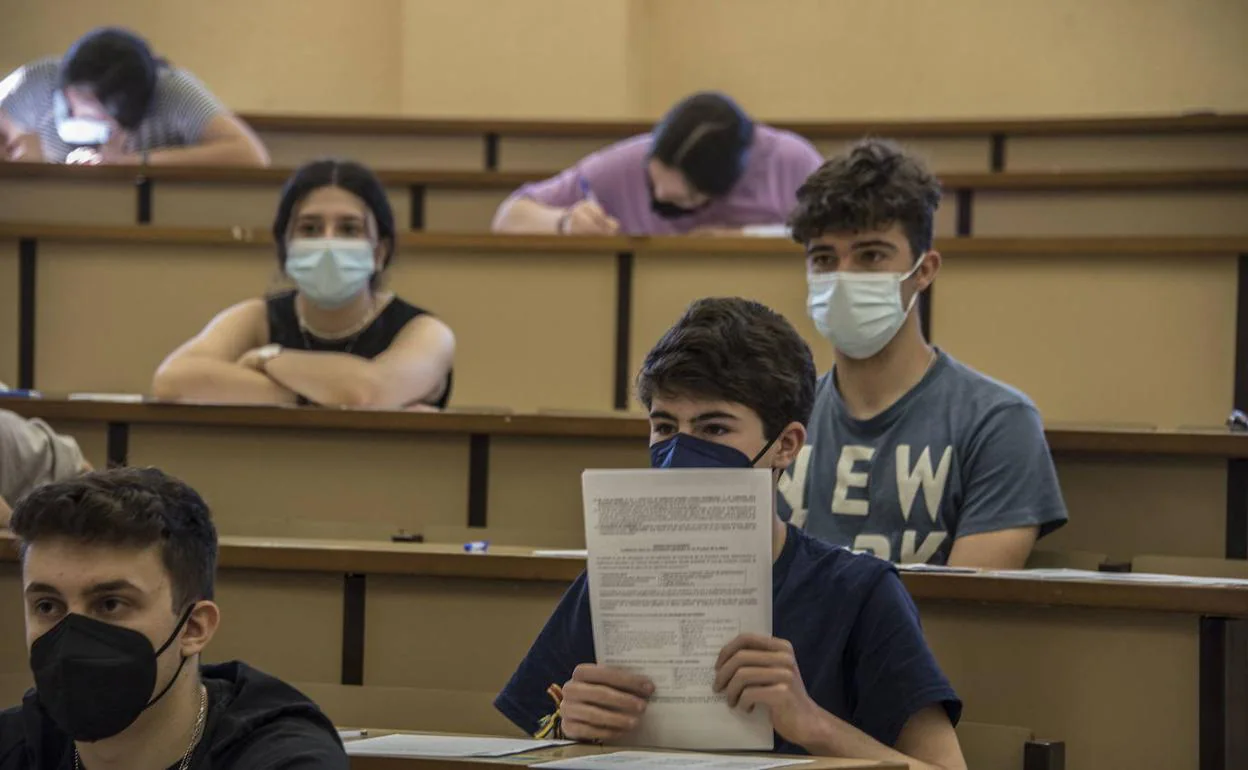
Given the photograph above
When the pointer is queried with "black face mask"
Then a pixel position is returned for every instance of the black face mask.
(671, 210)
(94, 679)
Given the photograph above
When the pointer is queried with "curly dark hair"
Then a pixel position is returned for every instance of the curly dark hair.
(736, 350)
(128, 507)
(872, 186)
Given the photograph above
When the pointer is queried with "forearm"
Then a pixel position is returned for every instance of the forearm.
(231, 152)
(5, 513)
(209, 380)
(831, 736)
(328, 379)
(525, 216)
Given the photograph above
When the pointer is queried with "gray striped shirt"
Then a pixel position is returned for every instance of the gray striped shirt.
(181, 108)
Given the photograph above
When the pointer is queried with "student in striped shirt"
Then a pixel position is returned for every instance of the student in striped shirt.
(110, 100)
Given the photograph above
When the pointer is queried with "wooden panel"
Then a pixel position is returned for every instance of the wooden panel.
(942, 154)
(276, 483)
(1088, 678)
(992, 747)
(380, 152)
(1111, 213)
(664, 285)
(518, 324)
(98, 307)
(8, 312)
(535, 484)
(1236, 569)
(1044, 153)
(1123, 506)
(70, 202)
(13, 687)
(92, 438)
(410, 708)
(1146, 339)
(467, 635)
(522, 153)
(461, 210)
(306, 607)
(13, 655)
(187, 204)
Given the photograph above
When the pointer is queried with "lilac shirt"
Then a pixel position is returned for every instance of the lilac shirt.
(779, 162)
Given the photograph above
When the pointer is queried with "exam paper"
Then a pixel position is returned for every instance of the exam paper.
(411, 745)
(647, 760)
(679, 565)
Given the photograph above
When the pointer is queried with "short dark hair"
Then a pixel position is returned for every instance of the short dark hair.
(118, 67)
(128, 507)
(872, 186)
(706, 137)
(736, 350)
(355, 178)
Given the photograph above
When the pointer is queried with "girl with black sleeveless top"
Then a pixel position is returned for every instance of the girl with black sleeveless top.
(335, 340)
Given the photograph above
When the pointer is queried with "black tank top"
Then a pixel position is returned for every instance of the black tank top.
(284, 330)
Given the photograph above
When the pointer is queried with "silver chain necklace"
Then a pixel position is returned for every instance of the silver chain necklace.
(196, 735)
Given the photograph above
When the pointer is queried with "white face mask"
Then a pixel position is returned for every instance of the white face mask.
(330, 271)
(859, 313)
(78, 131)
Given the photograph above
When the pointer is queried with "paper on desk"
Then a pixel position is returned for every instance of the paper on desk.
(562, 553)
(680, 564)
(412, 745)
(1059, 573)
(646, 760)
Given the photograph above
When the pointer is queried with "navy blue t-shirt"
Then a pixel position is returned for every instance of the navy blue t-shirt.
(852, 625)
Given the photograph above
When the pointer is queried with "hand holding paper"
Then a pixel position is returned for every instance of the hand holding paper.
(754, 671)
(601, 703)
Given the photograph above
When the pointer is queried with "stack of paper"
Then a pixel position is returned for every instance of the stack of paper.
(443, 746)
(648, 760)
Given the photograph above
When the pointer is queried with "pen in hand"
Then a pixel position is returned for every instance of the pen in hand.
(586, 216)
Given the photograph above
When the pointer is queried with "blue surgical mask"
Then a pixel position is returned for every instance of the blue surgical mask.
(686, 451)
(330, 271)
(84, 132)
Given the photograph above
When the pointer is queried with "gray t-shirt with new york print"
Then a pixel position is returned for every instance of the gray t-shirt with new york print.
(960, 454)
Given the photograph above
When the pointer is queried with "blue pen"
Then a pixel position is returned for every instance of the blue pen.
(587, 193)
(20, 393)
(477, 546)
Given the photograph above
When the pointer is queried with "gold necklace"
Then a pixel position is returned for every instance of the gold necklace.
(196, 735)
(369, 317)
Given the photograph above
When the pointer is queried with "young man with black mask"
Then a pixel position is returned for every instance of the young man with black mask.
(706, 168)
(847, 672)
(117, 572)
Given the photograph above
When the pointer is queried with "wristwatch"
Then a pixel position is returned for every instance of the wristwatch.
(266, 354)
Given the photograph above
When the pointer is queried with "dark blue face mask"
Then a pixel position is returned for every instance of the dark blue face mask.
(685, 451)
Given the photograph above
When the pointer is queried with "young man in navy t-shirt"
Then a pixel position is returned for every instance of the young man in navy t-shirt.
(847, 672)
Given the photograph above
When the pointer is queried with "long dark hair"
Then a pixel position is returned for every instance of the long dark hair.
(355, 178)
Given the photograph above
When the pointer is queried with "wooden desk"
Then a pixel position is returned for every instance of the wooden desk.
(1153, 142)
(568, 752)
(1175, 202)
(580, 313)
(456, 477)
(528, 759)
(1127, 676)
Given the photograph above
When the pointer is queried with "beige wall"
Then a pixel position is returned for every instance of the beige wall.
(812, 59)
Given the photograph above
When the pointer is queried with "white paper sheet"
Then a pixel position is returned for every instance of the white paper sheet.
(414, 745)
(679, 565)
(648, 760)
(562, 553)
(1059, 573)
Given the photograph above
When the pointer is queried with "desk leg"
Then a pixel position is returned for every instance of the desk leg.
(354, 590)
(1223, 694)
(1044, 755)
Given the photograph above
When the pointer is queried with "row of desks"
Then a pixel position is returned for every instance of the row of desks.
(565, 322)
(459, 476)
(1073, 203)
(421, 637)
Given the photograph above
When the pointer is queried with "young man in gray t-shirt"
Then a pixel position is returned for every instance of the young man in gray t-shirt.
(912, 455)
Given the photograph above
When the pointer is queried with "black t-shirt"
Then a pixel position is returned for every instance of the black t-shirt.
(254, 722)
(375, 339)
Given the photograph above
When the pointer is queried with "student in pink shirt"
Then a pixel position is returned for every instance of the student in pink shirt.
(706, 168)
